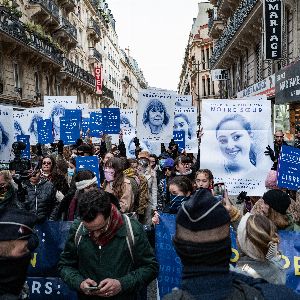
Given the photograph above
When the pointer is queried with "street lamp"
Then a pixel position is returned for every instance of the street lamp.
(196, 68)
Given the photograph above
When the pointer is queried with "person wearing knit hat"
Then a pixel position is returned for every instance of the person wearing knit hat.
(17, 241)
(202, 242)
(274, 205)
(258, 240)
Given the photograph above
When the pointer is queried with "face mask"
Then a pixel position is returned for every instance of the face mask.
(177, 198)
(109, 177)
(71, 171)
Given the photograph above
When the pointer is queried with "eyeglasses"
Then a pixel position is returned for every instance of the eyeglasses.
(109, 172)
(103, 228)
(279, 136)
(47, 163)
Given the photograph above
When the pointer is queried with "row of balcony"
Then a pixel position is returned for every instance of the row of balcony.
(14, 28)
(93, 30)
(75, 71)
(94, 56)
(231, 29)
(106, 92)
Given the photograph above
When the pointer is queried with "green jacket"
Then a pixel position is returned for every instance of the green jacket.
(111, 261)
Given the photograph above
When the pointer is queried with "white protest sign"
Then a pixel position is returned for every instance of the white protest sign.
(236, 133)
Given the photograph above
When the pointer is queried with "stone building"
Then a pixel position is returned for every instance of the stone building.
(50, 47)
(237, 28)
(132, 81)
(195, 78)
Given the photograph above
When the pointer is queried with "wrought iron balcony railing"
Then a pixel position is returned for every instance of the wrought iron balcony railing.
(106, 92)
(68, 27)
(49, 5)
(93, 53)
(229, 32)
(79, 73)
(93, 24)
(17, 30)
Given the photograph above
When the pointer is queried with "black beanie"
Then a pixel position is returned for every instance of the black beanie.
(278, 200)
(202, 212)
(16, 224)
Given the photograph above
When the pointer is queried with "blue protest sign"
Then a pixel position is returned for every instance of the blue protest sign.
(288, 174)
(52, 237)
(45, 131)
(73, 114)
(26, 140)
(111, 120)
(50, 288)
(179, 139)
(85, 125)
(96, 124)
(69, 130)
(88, 163)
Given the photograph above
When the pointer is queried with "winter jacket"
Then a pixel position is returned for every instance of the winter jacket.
(127, 199)
(40, 199)
(269, 270)
(229, 286)
(88, 260)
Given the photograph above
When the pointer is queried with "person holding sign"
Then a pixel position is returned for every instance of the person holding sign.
(235, 138)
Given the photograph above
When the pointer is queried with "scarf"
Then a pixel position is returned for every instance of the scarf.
(46, 176)
(215, 254)
(116, 221)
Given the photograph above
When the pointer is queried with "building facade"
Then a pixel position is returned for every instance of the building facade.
(51, 47)
(237, 28)
(195, 78)
(132, 80)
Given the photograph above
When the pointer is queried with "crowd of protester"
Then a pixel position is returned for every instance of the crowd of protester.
(108, 256)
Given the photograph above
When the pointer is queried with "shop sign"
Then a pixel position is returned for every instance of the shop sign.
(219, 74)
(273, 28)
(287, 84)
(264, 87)
(98, 78)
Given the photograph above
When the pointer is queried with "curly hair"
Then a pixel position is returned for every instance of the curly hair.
(92, 203)
(156, 105)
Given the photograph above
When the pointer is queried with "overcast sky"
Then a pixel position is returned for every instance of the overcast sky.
(156, 32)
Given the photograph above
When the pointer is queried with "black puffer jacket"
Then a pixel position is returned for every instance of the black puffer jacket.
(40, 199)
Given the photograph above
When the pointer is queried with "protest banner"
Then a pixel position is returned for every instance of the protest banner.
(54, 109)
(183, 100)
(127, 118)
(26, 140)
(170, 267)
(186, 120)
(88, 163)
(179, 139)
(155, 116)
(34, 115)
(19, 123)
(96, 128)
(111, 120)
(6, 133)
(69, 130)
(236, 134)
(45, 133)
(288, 172)
(73, 114)
(85, 125)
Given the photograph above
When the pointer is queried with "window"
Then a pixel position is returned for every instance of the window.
(203, 87)
(208, 86)
(47, 86)
(258, 63)
(36, 82)
(17, 75)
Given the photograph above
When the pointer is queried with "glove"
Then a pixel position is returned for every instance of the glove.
(241, 197)
(60, 147)
(270, 152)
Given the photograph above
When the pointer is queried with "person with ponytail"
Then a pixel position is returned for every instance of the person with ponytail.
(258, 240)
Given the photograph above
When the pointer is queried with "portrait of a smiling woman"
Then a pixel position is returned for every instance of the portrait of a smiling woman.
(235, 138)
(155, 117)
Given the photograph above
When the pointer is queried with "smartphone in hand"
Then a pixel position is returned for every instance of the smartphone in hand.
(219, 190)
(92, 288)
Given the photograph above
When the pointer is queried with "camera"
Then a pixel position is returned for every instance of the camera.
(20, 165)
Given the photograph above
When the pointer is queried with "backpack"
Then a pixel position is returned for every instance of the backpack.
(129, 237)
